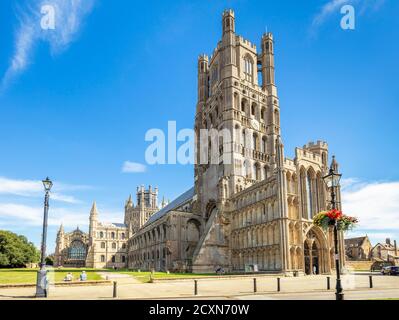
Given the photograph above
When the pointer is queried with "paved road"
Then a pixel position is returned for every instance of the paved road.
(349, 295)
(307, 287)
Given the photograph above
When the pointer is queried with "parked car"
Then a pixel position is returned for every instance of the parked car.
(390, 270)
(394, 271)
(385, 270)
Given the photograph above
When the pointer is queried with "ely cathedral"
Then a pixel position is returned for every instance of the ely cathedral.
(251, 213)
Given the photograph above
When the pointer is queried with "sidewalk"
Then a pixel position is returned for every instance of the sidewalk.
(130, 288)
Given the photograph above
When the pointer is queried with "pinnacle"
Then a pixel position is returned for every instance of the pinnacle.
(93, 210)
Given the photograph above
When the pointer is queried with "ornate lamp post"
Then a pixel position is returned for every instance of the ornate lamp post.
(332, 182)
(41, 284)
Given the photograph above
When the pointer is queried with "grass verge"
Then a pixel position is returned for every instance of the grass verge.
(28, 276)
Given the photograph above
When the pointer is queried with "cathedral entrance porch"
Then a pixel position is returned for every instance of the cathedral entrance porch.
(315, 253)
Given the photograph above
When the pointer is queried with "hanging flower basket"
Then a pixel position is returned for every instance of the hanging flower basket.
(325, 219)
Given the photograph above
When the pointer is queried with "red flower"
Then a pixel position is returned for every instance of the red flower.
(334, 214)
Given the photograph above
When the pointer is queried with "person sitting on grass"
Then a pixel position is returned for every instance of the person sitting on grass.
(83, 276)
(68, 277)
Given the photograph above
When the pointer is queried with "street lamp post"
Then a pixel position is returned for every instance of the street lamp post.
(41, 284)
(332, 182)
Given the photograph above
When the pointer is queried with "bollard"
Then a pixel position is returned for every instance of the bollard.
(278, 285)
(195, 287)
(255, 288)
(115, 293)
(371, 281)
(328, 283)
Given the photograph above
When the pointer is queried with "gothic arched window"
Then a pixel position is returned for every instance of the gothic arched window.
(77, 250)
(247, 169)
(302, 184)
(266, 172)
(276, 117)
(309, 191)
(236, 100)
(248, 69)
(262, 114)
(263, 145)
(255, 141)
(253, 109)
(243, 138)
(244, 105)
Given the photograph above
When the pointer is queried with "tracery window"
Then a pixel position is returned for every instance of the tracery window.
(309, 192)
(248, 69)
(77, 250)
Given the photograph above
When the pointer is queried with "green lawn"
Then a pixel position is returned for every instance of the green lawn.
(144, 276)
(28, 276)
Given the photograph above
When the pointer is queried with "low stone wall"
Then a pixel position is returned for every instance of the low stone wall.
(59, 284)
(210, 277)
(358, 265)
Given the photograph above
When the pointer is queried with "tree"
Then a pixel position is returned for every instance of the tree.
(50, 260)
(16, 251)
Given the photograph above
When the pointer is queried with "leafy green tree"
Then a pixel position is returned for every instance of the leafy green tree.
(16, 251)
(50, 260)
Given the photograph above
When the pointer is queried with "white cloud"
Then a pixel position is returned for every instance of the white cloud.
(376, 204)
(133, 167)
(69, 15)
(12, 215)
(20, 187)
(33, 188)
(23, 45)
(328, 9)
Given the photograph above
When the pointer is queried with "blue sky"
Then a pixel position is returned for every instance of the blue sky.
(76, 102)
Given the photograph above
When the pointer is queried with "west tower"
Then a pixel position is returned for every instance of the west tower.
(237, 98)
(231, 97)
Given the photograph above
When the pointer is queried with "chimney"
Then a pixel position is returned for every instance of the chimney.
(388, 241)
(396, 248)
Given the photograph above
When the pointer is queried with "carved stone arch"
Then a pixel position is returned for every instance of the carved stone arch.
(210, 207)
(317, 230)
(316, 253)
(311, 171)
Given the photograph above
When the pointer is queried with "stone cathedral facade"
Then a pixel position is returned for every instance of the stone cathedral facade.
(252, 209)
